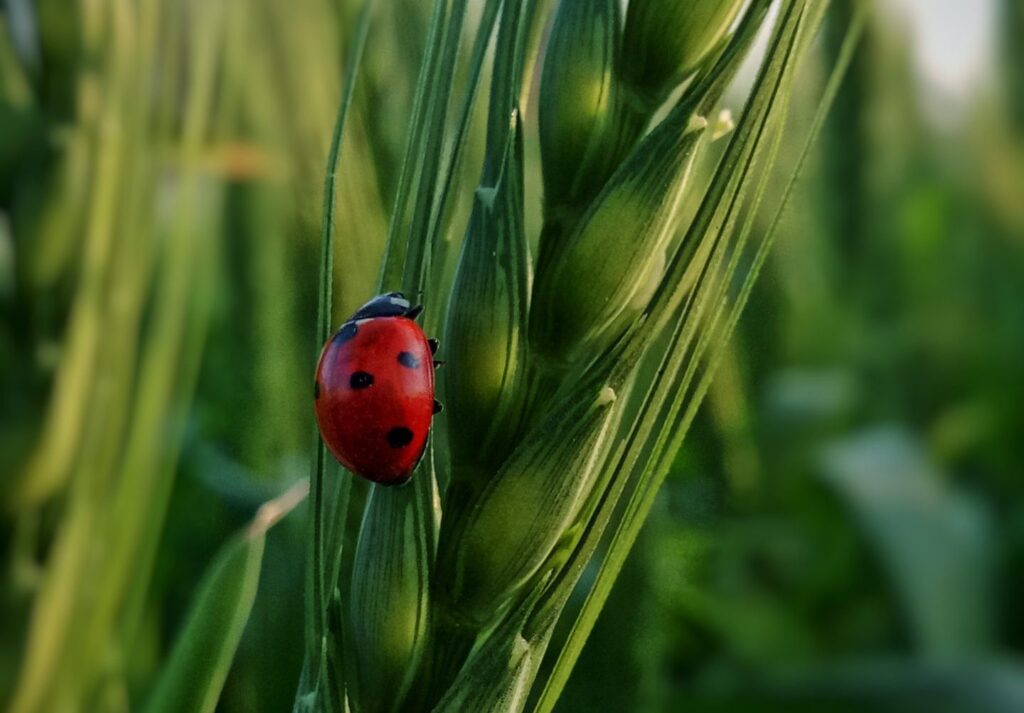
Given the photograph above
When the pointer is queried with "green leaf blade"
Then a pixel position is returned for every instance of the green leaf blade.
(192, 680)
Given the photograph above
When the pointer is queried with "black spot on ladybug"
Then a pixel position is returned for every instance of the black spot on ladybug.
(408, 360)
(360, 380)
(399, 437)
(346, 332)
(316, 390)
(434, 344)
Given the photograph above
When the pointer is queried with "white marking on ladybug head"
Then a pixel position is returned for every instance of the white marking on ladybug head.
(606, 396)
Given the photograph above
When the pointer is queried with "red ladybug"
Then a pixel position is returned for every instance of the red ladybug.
(375, 390)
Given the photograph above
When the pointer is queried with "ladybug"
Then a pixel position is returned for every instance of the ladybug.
(374, 392)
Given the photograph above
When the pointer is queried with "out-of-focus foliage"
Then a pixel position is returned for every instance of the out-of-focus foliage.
(845, 525)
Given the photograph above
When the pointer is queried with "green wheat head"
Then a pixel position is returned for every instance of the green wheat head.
(584, 282)
(576, 356)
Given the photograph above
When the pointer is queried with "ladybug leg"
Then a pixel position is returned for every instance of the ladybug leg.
(434, 344)
(438, 406)
(414, 312)
(438, 362)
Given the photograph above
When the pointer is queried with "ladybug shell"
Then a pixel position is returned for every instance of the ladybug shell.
(375, 397)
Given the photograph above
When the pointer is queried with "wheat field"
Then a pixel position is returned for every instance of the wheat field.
(730, 300)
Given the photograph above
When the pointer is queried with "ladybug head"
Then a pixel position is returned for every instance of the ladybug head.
(390, 304)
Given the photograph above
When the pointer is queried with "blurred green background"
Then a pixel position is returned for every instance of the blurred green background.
(844, 529)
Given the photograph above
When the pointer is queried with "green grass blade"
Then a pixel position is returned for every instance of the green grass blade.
(195, 674)
(192, 680)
